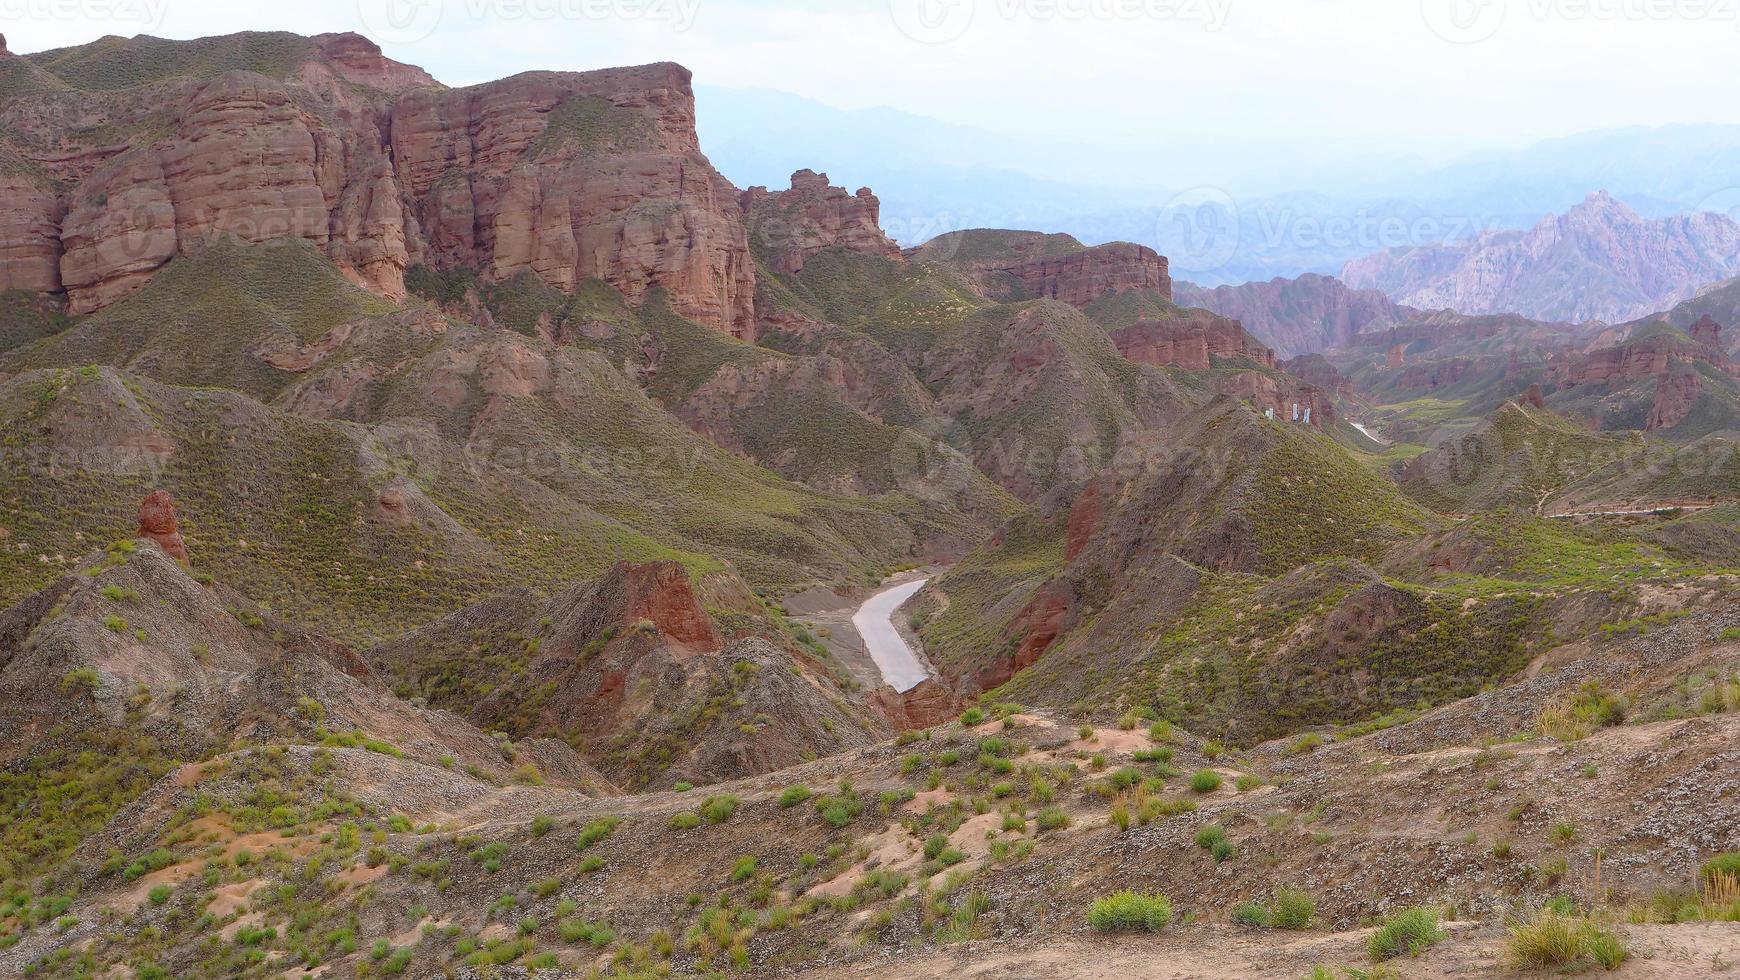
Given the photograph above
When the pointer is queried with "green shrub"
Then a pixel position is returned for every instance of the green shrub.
(160, 894)
(1250, 914)
(744, 869)
(793, 795)
(1407, 933)
(1205, 781)
(1553, 939)
(1129, 912)
(596, 831)
(81, 681)
(143, 865)
(687, 820)
(718, 809)
(591, 864)
(1051, 818)
(973, 716)
(1292, 909)
(1210, 835)
(1724, 864)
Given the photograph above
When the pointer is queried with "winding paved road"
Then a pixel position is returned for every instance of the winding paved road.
(874, 622)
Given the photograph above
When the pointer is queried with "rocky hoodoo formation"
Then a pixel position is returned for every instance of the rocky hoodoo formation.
(567, 176)
(1599, 261)
(1189, 341)
(1297, 316)
(787, 227)
(157, 523)
(1707, 332)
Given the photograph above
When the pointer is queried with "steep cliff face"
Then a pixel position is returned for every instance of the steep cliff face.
(1188, 341)
(1650, 355)
(574, 177)
(1080, 278)
(1011, 266)
(121, 155)
(787, 227)
(1297, 316)
(1600, 260)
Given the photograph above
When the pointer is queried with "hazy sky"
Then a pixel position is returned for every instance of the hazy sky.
(1392, 75)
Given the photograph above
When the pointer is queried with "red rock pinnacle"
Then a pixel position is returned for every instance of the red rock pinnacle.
(157, 522)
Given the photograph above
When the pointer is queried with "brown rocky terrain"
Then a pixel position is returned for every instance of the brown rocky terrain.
(635, 672)
(1297, 316)
(1598, 261)
(489, 488)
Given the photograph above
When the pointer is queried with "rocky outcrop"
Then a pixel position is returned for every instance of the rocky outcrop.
(568, 176)
(1012, 266)
(241, 154)
(157, 523)
(1707, 332)
(661, 594)
(1282, 395)
(30, 215)
(1676, 392)
(1434, 374)
(1297, 316)
(1189, 341)
(1648, 356)
(787, 227)
(1316, 369)
(925, 706)
(595, 175)
(1082, 277)
(1599, 261)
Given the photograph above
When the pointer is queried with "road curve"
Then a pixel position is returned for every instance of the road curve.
(874, 622)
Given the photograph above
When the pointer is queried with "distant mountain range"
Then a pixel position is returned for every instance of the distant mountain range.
(1223, 218)
(1599, 261)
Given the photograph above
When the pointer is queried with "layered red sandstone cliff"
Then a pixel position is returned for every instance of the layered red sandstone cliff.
(1011, 266)
(1189, 341)
(788, 227)
(567, 176)
(1082, 277)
